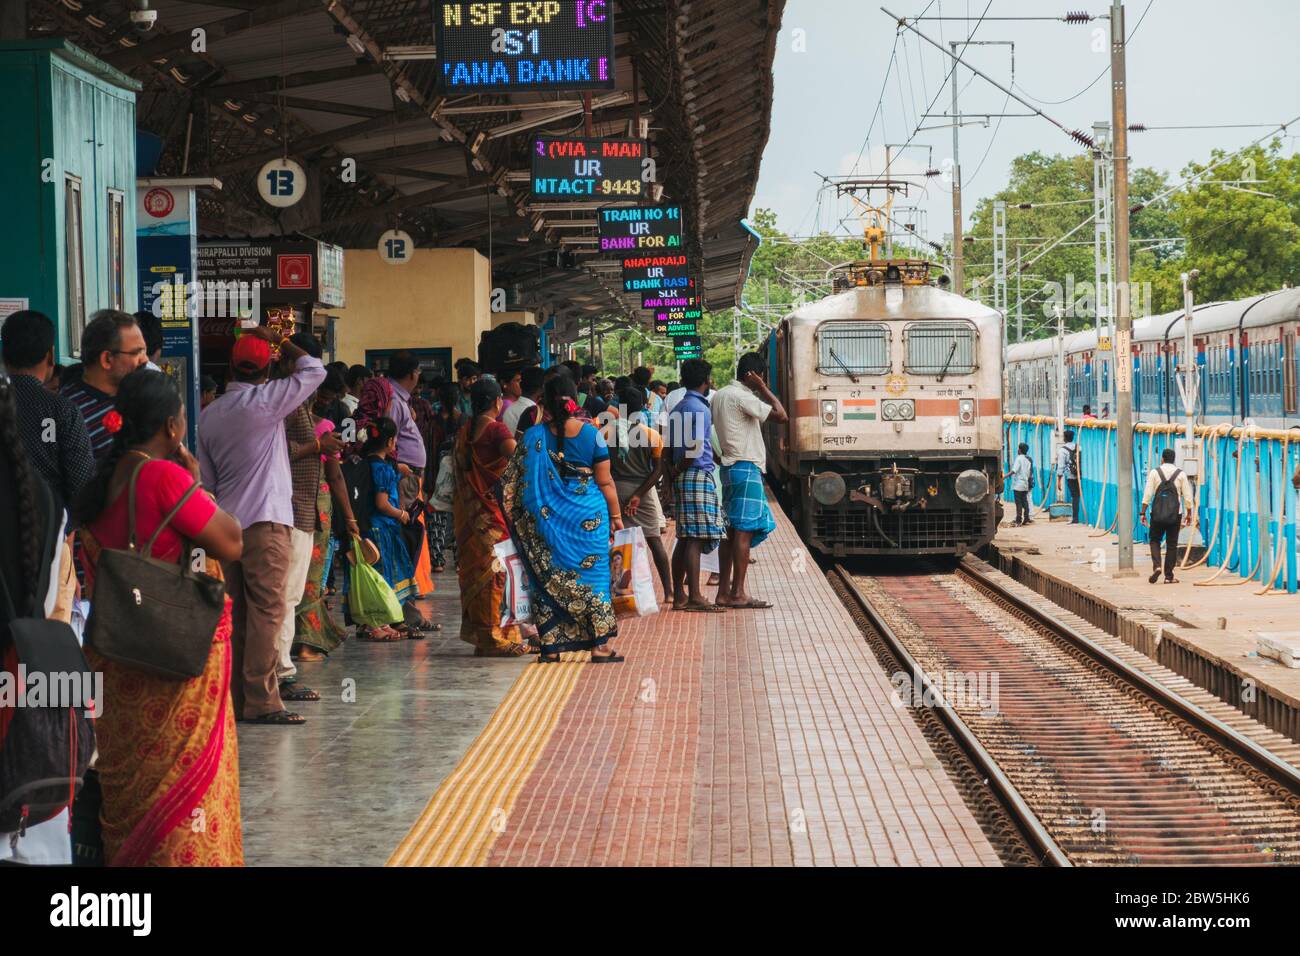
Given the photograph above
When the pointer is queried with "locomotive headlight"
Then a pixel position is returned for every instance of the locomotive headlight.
(828, 488)
(890, 411)
(966, 411)
(907, 410)
(972, 486)
(830, 411)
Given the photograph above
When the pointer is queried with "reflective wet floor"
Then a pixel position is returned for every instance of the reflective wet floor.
(393, 720)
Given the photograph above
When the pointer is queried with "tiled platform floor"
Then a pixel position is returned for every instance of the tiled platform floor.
(746, 738)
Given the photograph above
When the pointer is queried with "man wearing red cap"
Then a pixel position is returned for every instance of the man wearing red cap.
(244, 459)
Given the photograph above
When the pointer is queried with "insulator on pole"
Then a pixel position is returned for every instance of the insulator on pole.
(1078, 16)
(1137, 127)
(1083, 138)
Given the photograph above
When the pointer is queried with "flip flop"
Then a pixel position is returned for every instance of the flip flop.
(703, 609)
(754, 605)
(281, 718)
(1154, 578)
(607, 658)
(292, 692)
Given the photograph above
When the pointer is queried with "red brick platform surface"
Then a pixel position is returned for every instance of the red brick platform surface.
(746, 738)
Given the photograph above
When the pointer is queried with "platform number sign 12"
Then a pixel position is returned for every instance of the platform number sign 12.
(282, 183)
(396, 247)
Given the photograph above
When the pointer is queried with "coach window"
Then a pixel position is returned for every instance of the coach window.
(853, 348)
(940, 348)
(1288, 374)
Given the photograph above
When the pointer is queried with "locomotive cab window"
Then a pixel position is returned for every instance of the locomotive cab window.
(940, 348)
(853, 348)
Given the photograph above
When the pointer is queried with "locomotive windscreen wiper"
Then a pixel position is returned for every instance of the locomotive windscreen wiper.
(948, 364)
(853, 378)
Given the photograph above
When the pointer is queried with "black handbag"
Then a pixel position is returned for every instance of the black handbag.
(155, 616)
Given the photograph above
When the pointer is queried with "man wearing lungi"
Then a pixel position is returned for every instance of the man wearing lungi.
(700, 527)
(739, 411)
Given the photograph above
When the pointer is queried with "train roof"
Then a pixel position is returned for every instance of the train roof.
(895, 302)
(1256, 311)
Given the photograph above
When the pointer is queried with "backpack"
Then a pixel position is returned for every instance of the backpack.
(1166, 505)
(44, 750)
(1032, 482)
(1072, 464)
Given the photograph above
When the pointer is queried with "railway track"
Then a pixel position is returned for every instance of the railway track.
(1097, 763)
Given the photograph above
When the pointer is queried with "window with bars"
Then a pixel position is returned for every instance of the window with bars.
(116, 250)
(853, 348)
(74, 263)
(940, 348)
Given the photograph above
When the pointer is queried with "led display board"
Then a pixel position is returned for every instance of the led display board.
(667, 271)
(578, 169)
(633, 229)
(661, 300)
(676, 329)
(516, 46)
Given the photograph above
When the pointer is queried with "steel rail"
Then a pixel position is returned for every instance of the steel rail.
(1225, 736)
(1032, 828)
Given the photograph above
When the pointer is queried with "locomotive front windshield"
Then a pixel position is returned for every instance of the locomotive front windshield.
(853, 348)
(940, 348)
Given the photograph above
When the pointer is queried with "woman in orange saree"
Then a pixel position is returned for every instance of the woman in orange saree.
(483, 449)
(167, 759)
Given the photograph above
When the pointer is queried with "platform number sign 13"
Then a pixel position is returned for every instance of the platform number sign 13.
(282, 183)
(396, 247)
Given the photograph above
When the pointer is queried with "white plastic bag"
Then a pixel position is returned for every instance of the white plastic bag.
(710, 563)
(631, 584)
(515, 605)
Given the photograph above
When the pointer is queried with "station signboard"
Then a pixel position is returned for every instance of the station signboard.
(583, 169)
(513, 47)
(632, 229)
(691, 352)
(663, 272)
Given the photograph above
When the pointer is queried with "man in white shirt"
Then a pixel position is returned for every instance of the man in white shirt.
(531, 381)
(739, 411)
(1169, 496)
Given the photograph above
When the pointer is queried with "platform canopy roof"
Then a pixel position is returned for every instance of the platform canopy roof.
(337, 79)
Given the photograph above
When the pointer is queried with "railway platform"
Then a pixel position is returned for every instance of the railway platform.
(745, 738)
(1205, 628)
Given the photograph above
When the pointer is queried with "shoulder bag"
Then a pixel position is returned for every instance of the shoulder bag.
(155, 616)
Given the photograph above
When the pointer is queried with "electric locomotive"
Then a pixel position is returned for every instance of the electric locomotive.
(894, 387)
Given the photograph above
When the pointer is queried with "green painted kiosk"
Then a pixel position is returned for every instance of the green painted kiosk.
(68, 168)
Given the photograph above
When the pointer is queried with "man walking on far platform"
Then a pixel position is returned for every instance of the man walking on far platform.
(1067, 470)
(1169, 496)
(739, 411)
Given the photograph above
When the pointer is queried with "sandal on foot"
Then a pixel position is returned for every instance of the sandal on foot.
(702, 608)
(549, 659)
(278, 718)
(607, 658)
(295, 693)
(378, 635)
(514, 650)
(1154, 578)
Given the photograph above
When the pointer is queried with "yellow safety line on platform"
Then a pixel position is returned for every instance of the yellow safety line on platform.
(473, 805)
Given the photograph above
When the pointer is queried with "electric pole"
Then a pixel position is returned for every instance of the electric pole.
(958, 266)
(1124, 317)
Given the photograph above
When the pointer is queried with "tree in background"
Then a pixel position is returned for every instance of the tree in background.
(1242, 225)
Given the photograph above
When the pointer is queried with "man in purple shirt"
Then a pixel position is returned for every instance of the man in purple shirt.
(245, 463)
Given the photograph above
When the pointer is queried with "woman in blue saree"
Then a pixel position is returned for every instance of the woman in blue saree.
(563, 504)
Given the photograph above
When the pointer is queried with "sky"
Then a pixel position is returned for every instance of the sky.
(1190, 62)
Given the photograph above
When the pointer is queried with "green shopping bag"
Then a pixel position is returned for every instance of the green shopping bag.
(371, 601)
